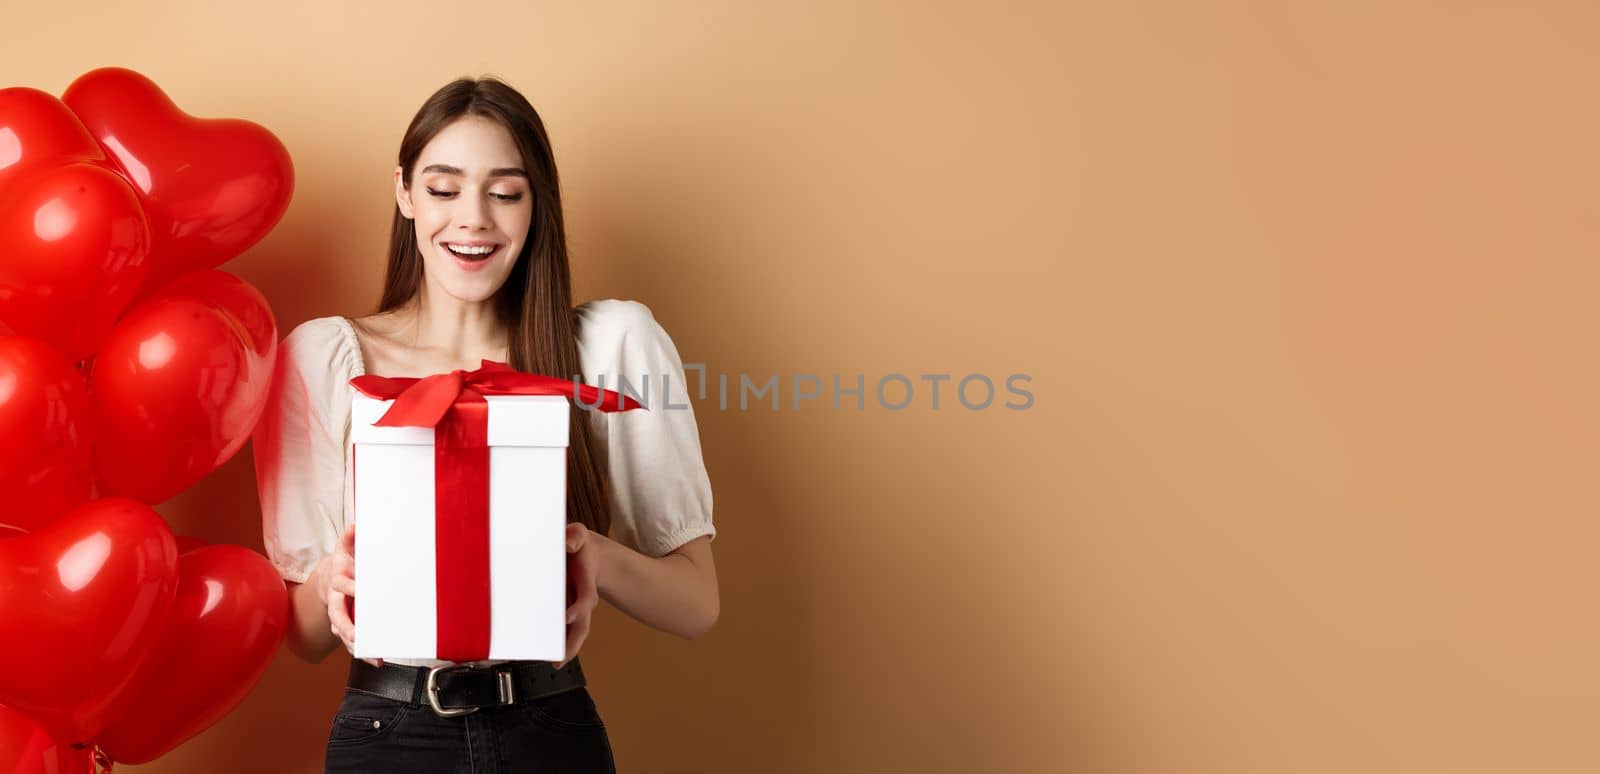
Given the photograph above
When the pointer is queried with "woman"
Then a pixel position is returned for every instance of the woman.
(478, 270)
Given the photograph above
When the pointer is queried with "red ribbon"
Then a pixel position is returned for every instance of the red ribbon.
(454, 405)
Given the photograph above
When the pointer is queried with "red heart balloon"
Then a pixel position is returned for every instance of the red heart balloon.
(38, 129)
(180, 383)
(73, 238)
(226, 624)
(211, 188)
(25, 748)
(84, 599)
(45, 460)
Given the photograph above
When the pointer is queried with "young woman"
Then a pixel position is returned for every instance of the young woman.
(478, 270)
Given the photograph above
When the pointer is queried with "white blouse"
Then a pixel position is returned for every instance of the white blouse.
(661, 495)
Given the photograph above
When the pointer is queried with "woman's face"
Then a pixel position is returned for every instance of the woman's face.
(468, 192)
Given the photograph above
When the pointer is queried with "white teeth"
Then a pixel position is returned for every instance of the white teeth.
(463, 250)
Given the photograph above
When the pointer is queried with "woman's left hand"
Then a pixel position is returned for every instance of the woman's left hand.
(583, 574)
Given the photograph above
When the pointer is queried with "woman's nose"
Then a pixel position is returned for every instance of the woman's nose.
(475, 213)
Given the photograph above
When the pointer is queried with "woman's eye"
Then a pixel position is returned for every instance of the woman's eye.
(451, 194)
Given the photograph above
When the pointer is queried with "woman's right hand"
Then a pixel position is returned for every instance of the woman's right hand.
(341, 590)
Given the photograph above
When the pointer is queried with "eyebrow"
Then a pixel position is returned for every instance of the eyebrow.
(496, 172)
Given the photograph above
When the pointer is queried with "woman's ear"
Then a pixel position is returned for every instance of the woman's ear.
(402, 197)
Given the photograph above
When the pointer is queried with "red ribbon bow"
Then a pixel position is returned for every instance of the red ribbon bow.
(454, 405)
(424, 402)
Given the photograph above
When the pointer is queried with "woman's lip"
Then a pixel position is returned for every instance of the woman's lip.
(477, 264)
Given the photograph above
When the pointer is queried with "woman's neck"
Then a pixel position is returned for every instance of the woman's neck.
(457, 330)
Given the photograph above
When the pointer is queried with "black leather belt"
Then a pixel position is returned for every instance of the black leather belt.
(462, 689)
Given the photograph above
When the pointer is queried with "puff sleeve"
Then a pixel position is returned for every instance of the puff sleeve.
(300, 448)
(661, 492)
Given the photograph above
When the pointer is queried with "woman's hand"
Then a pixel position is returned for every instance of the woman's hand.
(341, 591)
(583, 582)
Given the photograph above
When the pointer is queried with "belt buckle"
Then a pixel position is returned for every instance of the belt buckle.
(506, 685)
(432, 692)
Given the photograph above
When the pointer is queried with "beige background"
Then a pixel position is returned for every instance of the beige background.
(1305, 290)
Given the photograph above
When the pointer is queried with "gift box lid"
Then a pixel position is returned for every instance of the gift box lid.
(514, 420)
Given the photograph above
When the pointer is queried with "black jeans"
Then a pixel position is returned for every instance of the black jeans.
(558, 733)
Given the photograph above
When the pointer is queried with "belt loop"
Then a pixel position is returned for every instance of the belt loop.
(419, 687)
(508, 687)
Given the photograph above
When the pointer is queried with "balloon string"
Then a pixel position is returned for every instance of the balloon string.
(102, 761)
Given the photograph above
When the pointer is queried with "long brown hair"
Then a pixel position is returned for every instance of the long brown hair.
(535, 303)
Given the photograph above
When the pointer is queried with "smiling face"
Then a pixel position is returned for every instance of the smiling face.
(469, 194)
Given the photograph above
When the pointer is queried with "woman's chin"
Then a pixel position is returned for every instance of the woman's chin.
(475, 289)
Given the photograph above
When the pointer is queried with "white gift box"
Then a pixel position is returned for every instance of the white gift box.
(396, 596)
